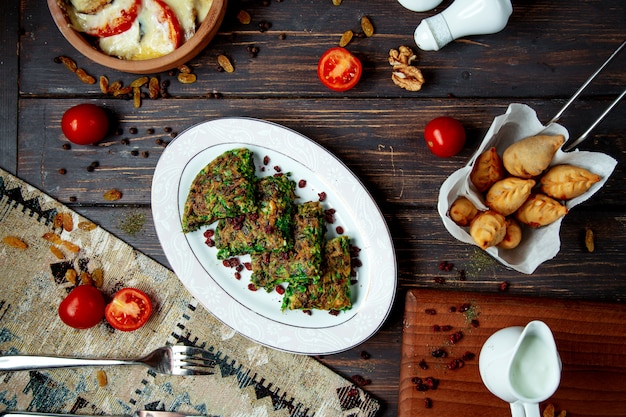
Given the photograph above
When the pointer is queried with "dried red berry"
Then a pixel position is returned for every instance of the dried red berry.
(422, 364)
(455, 337)
(439, 353)
(428, 403)
(430, 311)
(504, 286)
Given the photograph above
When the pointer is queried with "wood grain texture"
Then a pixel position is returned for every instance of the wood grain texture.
(547, 50)
(589, 337)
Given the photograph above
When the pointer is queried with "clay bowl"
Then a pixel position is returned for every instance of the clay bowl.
(187, 51)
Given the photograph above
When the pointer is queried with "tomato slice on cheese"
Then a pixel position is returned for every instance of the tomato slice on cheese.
(115, 18)
(186, 12)
(156, 32)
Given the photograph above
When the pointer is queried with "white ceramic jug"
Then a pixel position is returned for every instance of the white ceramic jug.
(521, 365)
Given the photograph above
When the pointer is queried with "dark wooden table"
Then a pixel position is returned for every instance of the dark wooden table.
(546, 52)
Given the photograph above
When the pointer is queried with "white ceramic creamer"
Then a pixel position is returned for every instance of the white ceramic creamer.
(521, 365)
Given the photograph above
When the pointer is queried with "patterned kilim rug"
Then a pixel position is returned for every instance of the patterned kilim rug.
(250, 379)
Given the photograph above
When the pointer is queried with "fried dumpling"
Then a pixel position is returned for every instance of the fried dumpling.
(540, 210)
(487, 170)
(513, 235)
(529, 157)
(463, 211)
(488, 229)
(507, 195)
(565, 182)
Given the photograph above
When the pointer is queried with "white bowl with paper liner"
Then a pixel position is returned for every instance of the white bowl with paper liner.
(538, 244)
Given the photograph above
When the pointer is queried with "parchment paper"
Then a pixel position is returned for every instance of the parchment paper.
(538, 244)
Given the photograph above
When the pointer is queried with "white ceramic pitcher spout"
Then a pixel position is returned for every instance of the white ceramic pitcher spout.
(521, 365)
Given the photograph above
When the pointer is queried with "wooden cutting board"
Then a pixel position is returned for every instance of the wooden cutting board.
(590, 338)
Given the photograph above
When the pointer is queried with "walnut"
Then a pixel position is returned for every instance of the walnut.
(403, 55)
(408, 77)
(404, 74)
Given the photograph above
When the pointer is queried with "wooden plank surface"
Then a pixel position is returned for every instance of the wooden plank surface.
(589, 337)
(544, 54)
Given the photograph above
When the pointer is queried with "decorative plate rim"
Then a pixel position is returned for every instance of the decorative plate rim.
(170, 182)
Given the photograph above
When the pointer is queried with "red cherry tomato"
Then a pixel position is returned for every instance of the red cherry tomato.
(83, 307)
(338, 69)
(85, 124)
(444, 136)
(129, 309)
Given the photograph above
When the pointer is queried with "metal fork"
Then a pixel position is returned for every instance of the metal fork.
(172, 360)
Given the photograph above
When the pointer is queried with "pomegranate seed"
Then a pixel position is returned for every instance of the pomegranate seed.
(266, 160)
(252, 287)
(302, 183)
(464, 307)
(423, 365)
(468, 356)
(430, 311)
(280, 290)
(436, 328)
(431, 382)
(446, 328)
(339, 230)
(226, 263)
(322, 196)
(248, 266)
(504, 286)
(439, 280)
(364, 355)
(428, 403)
(237, 276)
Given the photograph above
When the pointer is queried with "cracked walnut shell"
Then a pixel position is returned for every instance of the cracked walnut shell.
(407, 77)
(404, 74)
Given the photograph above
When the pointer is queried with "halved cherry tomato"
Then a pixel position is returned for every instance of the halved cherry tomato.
(444, 136)
(129, 309)
(83, 307)
(85, 124)
(338, 69)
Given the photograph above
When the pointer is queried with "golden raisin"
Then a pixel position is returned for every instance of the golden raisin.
(57, 252)
(139, 82)
(366, 25)
(71, 275)
(102, 378)
(15, 242)
(112, 195)
(589, 240)
(244, 17)
(154, 88)
(58, 220)
(98, 277)
(136, 97)
(68, 222)
(346, 38)
(84, 77)
(104, 84)
(187, 78)
(70, 246)
(69, 63)
(85, 278)
(87, 226)
(52, 237)
(225, 63)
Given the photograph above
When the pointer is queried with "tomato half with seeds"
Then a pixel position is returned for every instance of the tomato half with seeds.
(338, 69)
(129, 310)
(82, 308)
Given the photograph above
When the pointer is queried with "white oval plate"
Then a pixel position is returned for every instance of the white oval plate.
(257, 314)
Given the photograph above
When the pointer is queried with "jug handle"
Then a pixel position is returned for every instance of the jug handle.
(520, 409)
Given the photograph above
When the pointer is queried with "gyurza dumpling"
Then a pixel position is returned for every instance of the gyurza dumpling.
(513, 235)
(530, 156)
(487, 169)
(565, 182)
(462, 211)
(540, 210)
(507, 195)
(488, 229)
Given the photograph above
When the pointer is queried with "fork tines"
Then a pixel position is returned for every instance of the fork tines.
(194, 360)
